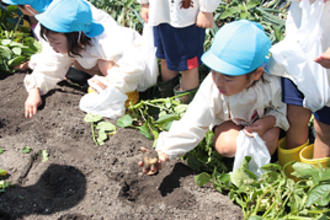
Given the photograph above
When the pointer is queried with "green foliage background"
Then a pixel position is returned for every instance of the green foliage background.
(16, 43)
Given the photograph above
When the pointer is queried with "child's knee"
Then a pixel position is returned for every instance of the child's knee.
(226, 146)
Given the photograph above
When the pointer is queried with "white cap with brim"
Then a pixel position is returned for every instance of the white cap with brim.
(65, 16)
(238, 48)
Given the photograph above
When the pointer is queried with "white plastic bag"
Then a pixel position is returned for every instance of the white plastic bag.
(109, 103)
(254, 147)
(307, 37)
(149, 53)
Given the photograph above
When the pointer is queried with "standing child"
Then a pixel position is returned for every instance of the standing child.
(106, 49)
(236, 95)
(179, 32)
(307, 24)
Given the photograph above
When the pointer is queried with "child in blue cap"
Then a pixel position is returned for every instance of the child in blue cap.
(112, 53)
(179, 32)
(48, 66)
(235, 95)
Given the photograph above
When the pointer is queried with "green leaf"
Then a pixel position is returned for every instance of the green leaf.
(202, 178)
(255, 218)
(304, 170)
(5, 52)
(16, 61)
(1, 150)
(45, 155)
(252, 4)
(182, 108)
(242, 175)
(106, 126)
(102, 136)
(6, 42)
(320, 195)
(125, 121)
(26, 149)
(167, 118)
(144, 129)
(3, 172)
(17, 51)
(89, 118)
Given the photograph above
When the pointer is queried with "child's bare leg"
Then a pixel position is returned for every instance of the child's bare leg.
(322, 140)
(270, 138)
(225, 136)
(297, 134)
(190, 79)
(165, 72)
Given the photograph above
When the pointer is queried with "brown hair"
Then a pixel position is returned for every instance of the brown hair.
(248, 75)
(74, 47)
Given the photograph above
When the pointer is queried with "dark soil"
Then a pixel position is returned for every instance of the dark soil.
(83, 181)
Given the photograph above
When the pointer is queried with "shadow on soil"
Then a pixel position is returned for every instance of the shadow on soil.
(59, 188)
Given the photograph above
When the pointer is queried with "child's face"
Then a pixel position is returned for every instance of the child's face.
(230, 85)
(58, 42)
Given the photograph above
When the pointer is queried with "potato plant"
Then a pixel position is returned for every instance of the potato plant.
(16, 42)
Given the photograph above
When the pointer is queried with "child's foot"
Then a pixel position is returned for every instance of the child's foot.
(185, 96)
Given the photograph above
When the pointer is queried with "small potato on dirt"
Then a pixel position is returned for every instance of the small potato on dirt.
(150, 161)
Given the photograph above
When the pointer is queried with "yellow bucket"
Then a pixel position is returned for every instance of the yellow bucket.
(133, 96)
(287, 155)
(306, 156)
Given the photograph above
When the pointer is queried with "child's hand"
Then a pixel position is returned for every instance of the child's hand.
(204, 20)
(23, 66)
(261, 125)
(152, 161)
(32, 103)
(105, 65)
(324, 59)
(145, 12)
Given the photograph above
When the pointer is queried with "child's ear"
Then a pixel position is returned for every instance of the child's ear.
(256, 75)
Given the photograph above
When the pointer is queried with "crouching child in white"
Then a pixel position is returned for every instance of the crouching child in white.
(236, 95)
(116, 54)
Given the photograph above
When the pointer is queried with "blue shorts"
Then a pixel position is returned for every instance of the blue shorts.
(182, 48)
(291, 95)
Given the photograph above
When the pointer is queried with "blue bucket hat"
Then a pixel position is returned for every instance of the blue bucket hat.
(238, 48)
(65, 16)
(38, 5)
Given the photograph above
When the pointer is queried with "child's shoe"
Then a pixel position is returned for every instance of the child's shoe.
(166, 88)
(78, 76)
(306, 156)
(160, 90)
(187, 95)
(287, 155)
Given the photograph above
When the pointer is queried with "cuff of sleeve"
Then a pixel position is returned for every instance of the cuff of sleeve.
(30, 83)
(280, 120)
(206, 6)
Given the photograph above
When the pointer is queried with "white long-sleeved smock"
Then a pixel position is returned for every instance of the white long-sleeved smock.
(210, 108)
(172, 12)
(116, 43)
(307, 37)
